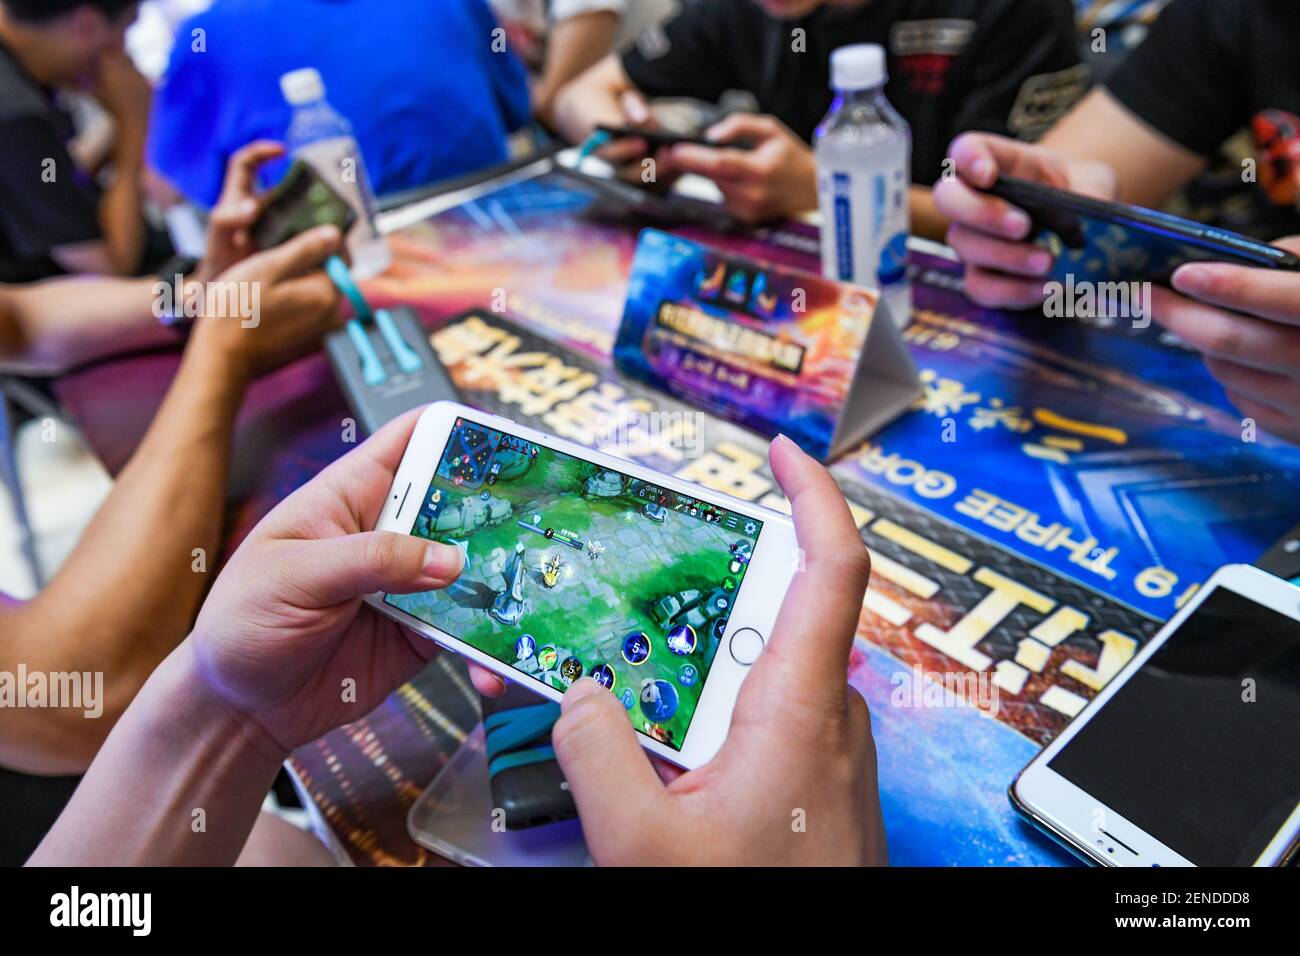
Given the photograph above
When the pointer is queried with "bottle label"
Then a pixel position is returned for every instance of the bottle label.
(866, 222)
(842, 184)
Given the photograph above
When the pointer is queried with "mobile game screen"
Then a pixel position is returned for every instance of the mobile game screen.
(573, 569)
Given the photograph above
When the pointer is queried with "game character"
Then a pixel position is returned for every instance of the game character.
(551, 571)
(763, 301)
(738, 287)
(711, 286)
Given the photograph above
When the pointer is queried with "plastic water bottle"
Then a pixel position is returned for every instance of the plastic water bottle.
(319, 136)
(864, 167)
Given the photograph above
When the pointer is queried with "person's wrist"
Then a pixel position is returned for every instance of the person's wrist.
(213, 717)
(185, 696)
(203, 272)
(132, 131)
(218, 349)
(132, 124)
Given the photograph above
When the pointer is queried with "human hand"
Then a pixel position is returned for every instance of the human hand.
(1004, 269)
(629, 155)
(776, 177)
(799, 748)
(1246, 323)
(123, 91)
(293, 304)
(284, 627)
(236, 210)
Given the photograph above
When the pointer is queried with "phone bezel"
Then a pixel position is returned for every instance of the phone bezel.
(1067, 811)
(758, 600)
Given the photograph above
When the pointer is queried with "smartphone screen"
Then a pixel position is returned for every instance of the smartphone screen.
(1199, 747)
(573, 569)
(301, 201)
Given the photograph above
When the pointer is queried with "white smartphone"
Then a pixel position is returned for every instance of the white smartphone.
(1191, 755)
(579, 564)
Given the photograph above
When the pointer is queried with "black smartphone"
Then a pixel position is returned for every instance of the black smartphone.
(1283, 558)
(659, 139)
(1139, 243)
(526, 782)
(300, 201)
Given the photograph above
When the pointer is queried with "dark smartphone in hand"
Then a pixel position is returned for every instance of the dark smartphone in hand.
(1152, 245)
(659, 139)
(301, 201)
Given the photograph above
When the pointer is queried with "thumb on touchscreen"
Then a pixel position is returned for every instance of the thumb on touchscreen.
(808, 652)
(611, 778)
(344, 568)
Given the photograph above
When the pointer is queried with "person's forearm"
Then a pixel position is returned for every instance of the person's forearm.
(121, 214)
(129, 592)
(61, 323)
(591, 99)
(153, 544)
(575, 45)
(178, 782)
(1149, 167)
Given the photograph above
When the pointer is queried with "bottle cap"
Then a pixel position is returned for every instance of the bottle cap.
(860, 66)
(302, 86)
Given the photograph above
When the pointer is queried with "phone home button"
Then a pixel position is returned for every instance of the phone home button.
(746, 645)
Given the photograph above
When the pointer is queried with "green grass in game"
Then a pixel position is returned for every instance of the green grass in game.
(577, 614)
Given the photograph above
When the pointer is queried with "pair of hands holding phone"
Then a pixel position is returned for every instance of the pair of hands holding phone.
(1244, 321)
(763, 169)
(298, 303)
(285, 626)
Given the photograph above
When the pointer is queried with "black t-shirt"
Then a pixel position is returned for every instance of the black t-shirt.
(45, 200)
(1210, 68)
(1001, 66)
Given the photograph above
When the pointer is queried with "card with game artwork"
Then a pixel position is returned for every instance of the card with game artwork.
(772, 348)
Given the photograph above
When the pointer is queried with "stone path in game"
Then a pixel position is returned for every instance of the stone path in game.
(631, 550)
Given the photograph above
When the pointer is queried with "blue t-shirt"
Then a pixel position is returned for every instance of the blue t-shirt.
(426, 95)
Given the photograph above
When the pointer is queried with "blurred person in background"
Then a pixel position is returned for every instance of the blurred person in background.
(1006, 66)
(58, 215)
(1207, 70)
(429, 91)
(128, 593)
(559, 39)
